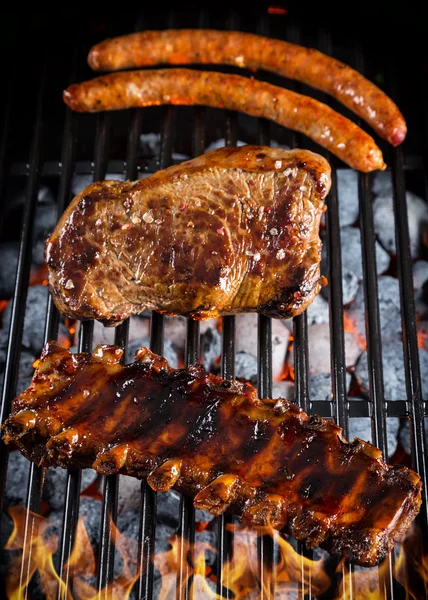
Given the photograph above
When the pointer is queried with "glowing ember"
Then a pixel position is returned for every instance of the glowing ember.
(348, 325)
(277, 10)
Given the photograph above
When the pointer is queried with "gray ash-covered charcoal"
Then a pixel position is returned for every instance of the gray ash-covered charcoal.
(35, 316)
(420, 286)
(26, 370)
(384, 221)
(347, 189)
(129, 495)
(318, 311)
(382, 183)
(405, 435)
(90, 510)
(246, 340)
(211, 343)
(9, 260)
(361, 427)
(283, 389)
(175, 332)
(319, 349)
(17, 479)
(389, 309)
(246, 367)
(168, 504)
(320, 386)
(55, 484)
(168, 351)
(44, 223)
(150, 144)
(352, 267)
(393, 371)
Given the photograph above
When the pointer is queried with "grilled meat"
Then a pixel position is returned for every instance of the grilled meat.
(265, 460)
(233, 230)
(301, 113)
(207, 46)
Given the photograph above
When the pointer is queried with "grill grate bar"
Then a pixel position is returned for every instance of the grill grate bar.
(373, 336)
(186, 527)
(36, 474)
(266, 543)
(224, 535)
(111, 482)
(22, 279)
(148, 508)
(336, 311)
(410, 342)
(72, 490)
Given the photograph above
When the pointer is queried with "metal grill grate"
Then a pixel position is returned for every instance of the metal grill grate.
(338, 408)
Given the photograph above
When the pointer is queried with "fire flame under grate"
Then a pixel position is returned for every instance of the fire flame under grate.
(272, 565)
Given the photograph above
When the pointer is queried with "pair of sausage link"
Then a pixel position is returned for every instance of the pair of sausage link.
(208, 46)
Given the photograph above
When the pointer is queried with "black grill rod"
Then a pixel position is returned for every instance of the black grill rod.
(373, 335)
(36, 474)
(148, 510)
(224, 535)
(74, 476)
(186, 528)
(111, 482)
(301, 354)
(336, 311)
(410, 341)
(52, 318)
(338, 364)
(265, 543)
(22, 279)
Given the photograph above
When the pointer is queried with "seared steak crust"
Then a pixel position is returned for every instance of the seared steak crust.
(214, 440)
(233, 230)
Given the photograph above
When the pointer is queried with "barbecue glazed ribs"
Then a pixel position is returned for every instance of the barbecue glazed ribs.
(231, 231)
(212, 439)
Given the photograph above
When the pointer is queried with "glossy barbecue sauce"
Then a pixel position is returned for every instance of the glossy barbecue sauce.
(212, 439)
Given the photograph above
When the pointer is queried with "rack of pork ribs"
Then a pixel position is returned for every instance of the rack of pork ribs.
(214, 440)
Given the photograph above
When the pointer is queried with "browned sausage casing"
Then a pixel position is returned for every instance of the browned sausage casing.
(318, 121)
(207, 46)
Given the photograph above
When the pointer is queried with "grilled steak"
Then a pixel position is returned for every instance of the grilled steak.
(233, 230)
(318, 121)
(265, 460)
(208, 46)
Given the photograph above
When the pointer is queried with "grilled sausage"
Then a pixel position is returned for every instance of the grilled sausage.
(328, 128)
(207, 46)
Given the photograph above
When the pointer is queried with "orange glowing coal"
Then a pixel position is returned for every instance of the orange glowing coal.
(349, 325)
(294, 575)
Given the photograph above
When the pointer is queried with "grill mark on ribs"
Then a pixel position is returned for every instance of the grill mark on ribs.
(233, 230)
(266, 460)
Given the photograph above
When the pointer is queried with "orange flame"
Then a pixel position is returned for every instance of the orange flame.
(39, 549)
(294, 574)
